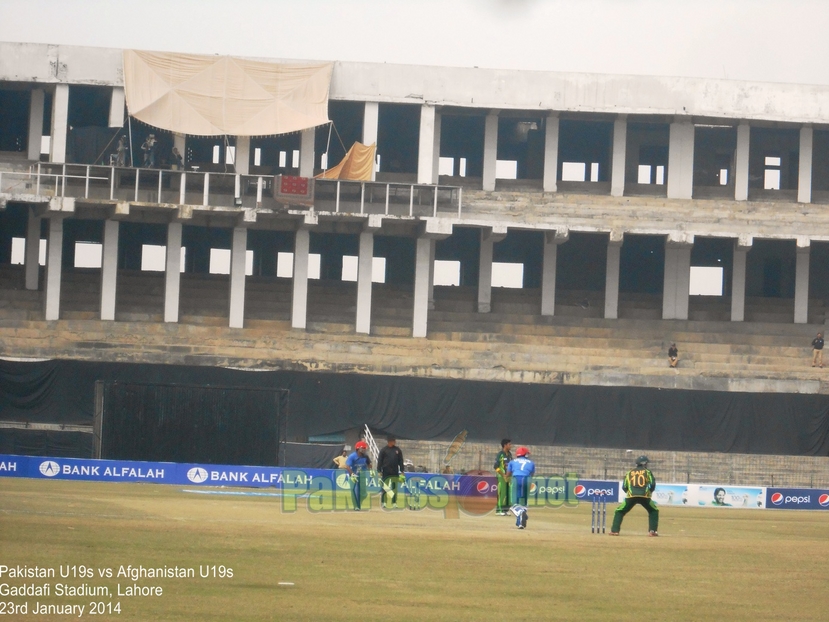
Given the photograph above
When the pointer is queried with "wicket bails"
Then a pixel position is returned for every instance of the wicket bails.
(598, 514)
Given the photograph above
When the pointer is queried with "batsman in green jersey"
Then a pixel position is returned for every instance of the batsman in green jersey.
(501, 461)
(639, 485)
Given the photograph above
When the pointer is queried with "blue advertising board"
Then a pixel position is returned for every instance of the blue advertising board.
(551, 491)
(797, 499)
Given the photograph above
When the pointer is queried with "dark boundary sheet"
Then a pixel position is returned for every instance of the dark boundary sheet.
(421, 408)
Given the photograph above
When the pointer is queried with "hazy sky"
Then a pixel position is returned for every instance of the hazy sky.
(767, 40)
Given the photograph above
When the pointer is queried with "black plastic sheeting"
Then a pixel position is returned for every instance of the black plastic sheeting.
(420, 408)
(184, 423)
(312, 455)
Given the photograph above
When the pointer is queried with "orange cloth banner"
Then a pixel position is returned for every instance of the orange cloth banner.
(356, 165)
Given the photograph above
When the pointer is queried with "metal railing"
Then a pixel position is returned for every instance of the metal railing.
(193, 187)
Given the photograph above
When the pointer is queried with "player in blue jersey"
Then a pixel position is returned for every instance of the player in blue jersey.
(357, 465)
(520, 469)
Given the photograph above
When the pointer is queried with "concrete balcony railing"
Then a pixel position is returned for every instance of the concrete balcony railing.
(223, 190)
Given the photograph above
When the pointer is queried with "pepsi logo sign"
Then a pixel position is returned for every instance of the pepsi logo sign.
(580, 490)
(482, 487)
(823, 500)
(777, 498)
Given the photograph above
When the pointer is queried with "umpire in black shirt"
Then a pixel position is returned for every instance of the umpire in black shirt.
(390, 466)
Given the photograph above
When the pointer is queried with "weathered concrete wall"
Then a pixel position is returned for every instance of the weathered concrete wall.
(479, 88)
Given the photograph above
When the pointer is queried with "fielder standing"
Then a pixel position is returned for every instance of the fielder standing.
(501, 461)
(357, 464)
(639, 485)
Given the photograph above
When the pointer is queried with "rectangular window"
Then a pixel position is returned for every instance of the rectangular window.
(446, 166)
(572, 171)
(154, 258)
(506, 169)
(295, 159)
(507, 275)
(230, 154)
(378, 269)
(88, 254)
(283, 159)
(257, 156)
(217, 151)
(462, 167)
(285, 265)
(447, 272)
(644, 175)
(594, 171)
(706, 281)
(19, 252)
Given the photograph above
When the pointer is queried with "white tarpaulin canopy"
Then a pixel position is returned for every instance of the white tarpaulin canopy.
(222, 95)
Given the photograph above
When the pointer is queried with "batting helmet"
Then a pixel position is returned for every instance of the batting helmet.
(360, 445)
(642, 461)
(522, 451)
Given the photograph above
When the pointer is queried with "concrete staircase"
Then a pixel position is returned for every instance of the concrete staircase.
(512, 343)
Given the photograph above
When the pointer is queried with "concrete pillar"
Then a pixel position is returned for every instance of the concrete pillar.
(243, 155)
(617, 173)
(738, 279)
(371, 121)
(611, 287)
(306, 152)
(548, 272)
(116, 107)
(365, 264)
(109, 269)
(432, 276)
(490, 151)
(551, 154)
(741, 162)
(677, 278)
(238, 251)
(423, 251)
(681, 160)
(801, 282)
(172, 273)
(485, 272)
(436, 151)
(60, 123)
(426, 145)
(35, 124)
(54, 258)
(804, 176)
(32, 258)
(299, 297)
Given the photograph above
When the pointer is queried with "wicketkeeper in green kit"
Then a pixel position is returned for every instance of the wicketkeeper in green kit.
(639, 485)
(501, 461)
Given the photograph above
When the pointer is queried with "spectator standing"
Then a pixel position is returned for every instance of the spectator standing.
(178, 161)
(340, 460)
(817, 350)
(148, 147)
(121, 152)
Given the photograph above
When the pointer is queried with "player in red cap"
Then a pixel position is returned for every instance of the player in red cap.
(357, 464)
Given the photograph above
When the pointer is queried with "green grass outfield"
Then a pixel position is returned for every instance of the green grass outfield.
(707, 564)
